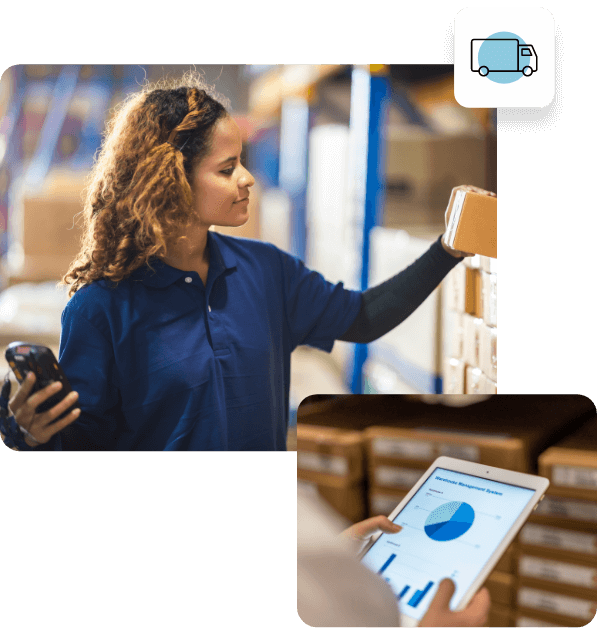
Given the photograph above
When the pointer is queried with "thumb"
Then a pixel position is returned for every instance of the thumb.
(477, 612)
(441, 601)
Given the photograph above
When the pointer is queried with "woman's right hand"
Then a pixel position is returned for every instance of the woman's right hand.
(473, 188)
(439, 613)
(38, 425)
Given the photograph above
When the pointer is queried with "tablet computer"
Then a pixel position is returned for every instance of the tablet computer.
(457, 521)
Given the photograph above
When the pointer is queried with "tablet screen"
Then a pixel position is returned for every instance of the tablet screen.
(450, 529)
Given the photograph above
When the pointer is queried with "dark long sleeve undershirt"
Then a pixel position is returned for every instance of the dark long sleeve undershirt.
(385, 306)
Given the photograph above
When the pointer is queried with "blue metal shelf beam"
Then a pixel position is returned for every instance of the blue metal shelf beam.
(378, 88)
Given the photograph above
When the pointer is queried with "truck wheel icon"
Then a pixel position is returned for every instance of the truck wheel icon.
(527, 70)
(483, 70)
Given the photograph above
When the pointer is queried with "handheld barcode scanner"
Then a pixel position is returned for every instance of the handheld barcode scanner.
(24, 357)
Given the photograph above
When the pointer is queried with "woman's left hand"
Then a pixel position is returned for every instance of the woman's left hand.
(363, 530)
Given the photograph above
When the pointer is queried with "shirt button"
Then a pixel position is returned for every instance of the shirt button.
(188, 279)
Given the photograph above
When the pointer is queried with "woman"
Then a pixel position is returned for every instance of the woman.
(177, 337)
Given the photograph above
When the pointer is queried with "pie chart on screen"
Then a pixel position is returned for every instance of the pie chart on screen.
(449, 521)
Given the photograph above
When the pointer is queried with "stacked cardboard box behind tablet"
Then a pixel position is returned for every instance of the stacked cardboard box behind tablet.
(557, 555)
(470, 327)
(516, 430)
(509, 432)
(527, 416)
(331, 452)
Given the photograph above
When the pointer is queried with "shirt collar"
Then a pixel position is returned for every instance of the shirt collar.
(221, 258)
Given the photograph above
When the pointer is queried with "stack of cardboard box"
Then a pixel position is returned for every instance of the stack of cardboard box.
(470, 327)
(331, 460)
(46, 230)
(557, 556)
(470, 317)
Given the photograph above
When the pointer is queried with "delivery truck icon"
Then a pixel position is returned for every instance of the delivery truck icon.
(502, 55)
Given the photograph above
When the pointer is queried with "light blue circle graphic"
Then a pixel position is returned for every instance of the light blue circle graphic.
(501, 59)
(449, 521)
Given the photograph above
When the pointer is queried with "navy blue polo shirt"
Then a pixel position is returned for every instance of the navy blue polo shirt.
(162, 362)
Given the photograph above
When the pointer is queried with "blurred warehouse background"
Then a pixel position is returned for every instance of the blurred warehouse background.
(354, 166)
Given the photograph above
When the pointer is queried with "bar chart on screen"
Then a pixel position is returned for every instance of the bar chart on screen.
(410, 584)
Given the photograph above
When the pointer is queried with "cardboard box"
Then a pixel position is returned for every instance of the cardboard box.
(557, 508)
(501, 587)
(500, 615)
(544, 565)
(472, 340)
(345, 497)
(524, 424)
(490, 387)
(328, 450)
(560, 605)
(473, 303)
(489, 298)
(453, 381)
(455, 289)
(566, 542)
(488, 264)
(46, 233)
(572, 463)
(453, 334)
(488, 348)
(423, 167)
(472, 223)
(475, 382)
(526, 617)
(331, 459)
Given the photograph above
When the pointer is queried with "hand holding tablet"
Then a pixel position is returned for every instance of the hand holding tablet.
(439, 613)
(457, 521)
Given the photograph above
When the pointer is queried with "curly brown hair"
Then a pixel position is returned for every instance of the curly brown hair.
(138, 196)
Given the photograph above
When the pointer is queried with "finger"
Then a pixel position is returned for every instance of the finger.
(22, 393)
(373, 523)
(60, 425)
(387, 526)
(476, 613)
(444, 594)
(54, 412)
(41, 395)
(361, 529)
(19, 398)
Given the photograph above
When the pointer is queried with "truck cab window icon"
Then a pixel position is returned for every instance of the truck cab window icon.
(501, 54)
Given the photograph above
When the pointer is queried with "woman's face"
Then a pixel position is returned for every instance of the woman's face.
(220, 182)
